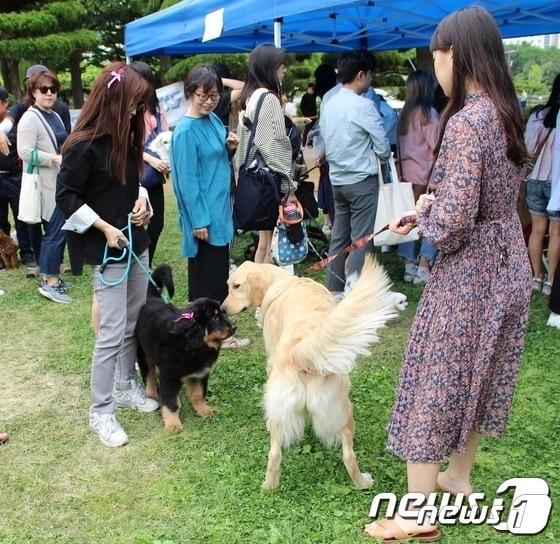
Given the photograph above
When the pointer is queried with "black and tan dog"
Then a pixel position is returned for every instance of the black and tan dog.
(182, 344)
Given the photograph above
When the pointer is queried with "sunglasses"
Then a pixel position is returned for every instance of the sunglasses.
(44, 89)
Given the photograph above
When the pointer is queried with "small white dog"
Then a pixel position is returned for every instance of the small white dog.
(398, 299)
(161, 145)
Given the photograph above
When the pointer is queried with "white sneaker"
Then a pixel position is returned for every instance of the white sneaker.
(546, 288)
(422, 273)
(108, 429)
(135, 398)
(337, 296)
(554, 320)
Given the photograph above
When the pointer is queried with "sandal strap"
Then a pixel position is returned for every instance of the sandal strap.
(396, 530)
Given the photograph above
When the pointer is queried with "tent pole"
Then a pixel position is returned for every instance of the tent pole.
(278, 32)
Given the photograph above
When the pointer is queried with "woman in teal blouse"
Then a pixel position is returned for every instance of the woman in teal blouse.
(202, 183)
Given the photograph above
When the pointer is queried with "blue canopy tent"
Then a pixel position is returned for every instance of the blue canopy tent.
(318, 25)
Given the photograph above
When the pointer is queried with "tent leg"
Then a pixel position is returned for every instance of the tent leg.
(278, 32)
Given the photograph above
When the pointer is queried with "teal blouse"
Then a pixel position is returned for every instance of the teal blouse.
(201, 177)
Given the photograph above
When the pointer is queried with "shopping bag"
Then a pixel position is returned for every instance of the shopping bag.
(395, 198)
(30, 194)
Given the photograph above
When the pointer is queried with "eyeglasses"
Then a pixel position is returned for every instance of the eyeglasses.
(44, 89)
(204, 97)
(137, 106)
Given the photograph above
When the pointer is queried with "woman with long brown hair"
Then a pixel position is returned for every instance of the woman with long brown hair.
(99, 193)
(417, 138)
(267, 66)
(540, 137)
(462, 359)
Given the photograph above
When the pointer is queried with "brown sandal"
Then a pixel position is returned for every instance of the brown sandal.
(400, 534)
(4, 437)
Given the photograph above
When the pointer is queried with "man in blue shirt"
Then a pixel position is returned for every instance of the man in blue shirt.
(354, 135)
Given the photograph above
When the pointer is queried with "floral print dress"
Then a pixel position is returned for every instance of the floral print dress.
(462, 359)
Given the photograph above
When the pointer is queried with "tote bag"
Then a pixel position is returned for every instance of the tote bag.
(30, 195)
(395, 198)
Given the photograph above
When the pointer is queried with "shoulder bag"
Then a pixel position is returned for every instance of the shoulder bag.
(151, 176)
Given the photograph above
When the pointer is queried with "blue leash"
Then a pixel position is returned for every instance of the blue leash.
(127, 253)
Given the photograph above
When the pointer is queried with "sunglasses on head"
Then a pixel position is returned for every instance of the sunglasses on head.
(44, 89)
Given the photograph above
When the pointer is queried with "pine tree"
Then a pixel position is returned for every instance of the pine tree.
(50, 33)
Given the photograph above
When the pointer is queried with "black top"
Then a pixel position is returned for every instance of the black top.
(308, 105)
(12, 162)
(85, 178)
(223, 107)
(53, 120)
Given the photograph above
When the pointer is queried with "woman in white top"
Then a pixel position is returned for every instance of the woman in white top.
(267, 66)
(540, 135)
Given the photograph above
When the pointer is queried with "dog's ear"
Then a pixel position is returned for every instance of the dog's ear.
(256, 288)
(184, 327)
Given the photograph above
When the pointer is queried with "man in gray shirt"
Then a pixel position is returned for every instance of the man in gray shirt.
(354, 134)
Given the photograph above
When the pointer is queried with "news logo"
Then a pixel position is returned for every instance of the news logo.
(528, 514)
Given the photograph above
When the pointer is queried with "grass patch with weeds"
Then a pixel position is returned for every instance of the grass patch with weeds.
(58, 484)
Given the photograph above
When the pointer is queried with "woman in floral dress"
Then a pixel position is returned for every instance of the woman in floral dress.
(462, 359)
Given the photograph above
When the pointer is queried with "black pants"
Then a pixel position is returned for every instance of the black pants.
(554, 301)
(155, 225)
(208, 272)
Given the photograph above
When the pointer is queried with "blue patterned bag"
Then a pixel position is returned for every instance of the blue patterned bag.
(283, 251)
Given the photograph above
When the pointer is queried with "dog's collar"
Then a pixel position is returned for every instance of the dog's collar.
(185, 315)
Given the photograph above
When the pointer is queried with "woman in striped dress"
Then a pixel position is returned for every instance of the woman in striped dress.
(267, 66)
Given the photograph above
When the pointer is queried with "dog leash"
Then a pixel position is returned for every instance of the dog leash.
(361, 242)
(127, 253)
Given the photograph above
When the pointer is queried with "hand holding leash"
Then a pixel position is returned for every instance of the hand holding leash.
(404, 223)
(115, 237)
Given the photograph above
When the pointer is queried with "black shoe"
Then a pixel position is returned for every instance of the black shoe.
(28, 260)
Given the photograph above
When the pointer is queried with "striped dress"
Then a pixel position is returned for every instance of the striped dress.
(270, 138)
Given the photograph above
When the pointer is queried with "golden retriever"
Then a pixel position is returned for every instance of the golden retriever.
(311, 346)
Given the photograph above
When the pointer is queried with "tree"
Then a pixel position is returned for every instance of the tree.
(50, 33)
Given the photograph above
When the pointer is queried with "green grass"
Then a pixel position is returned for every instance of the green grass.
(58, 484)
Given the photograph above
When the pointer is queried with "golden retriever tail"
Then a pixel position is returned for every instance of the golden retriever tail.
(351, 326)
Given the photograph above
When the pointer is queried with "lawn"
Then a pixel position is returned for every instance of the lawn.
(58, 484)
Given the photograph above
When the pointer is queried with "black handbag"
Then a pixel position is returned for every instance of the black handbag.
(257, 194)
(151, 176)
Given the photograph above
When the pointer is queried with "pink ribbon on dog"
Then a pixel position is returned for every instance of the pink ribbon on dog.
(117, 76)
(186, 315)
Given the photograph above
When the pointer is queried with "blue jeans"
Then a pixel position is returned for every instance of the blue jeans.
(408, 251)
(52, 246)
(538, 195)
